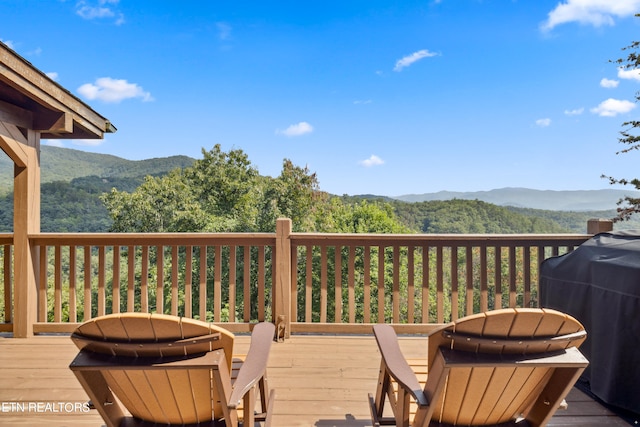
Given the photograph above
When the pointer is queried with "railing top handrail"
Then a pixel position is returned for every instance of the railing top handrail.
(150, 239)
(6, 238)
(319, 239)
(436, 239)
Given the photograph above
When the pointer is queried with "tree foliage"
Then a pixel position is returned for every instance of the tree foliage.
(629, 137)
(221, 192)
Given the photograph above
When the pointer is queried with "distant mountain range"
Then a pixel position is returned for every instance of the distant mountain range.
(64, 164)
(576, 201)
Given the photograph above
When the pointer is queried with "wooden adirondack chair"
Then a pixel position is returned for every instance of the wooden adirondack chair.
(509, 367)
(167, 370)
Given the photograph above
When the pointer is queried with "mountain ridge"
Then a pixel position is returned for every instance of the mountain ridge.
(557, 200)
(67, 164)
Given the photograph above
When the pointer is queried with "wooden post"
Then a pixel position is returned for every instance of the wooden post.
(25, 153)
(282, 286)
(595, 226)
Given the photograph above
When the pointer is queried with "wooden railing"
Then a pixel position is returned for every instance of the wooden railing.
(189, 274)
(307, 282)
(422, 279)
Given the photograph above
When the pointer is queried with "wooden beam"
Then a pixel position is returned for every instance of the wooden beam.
(54, 122)
(24, 151)
(13, 144)
(15, 115)
(21, 75)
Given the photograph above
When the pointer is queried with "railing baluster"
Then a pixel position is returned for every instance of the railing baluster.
(247, 283)
(87, 283)
(131, 277)
(425, 284)
(160, 279)
(526, 299)
(261, 285)
(8, 283)
(203, 284)
(497, 277)
(57, 287)
(217, 283)
(484, 286)
(101, 281)
(323, 284)
(351, 284)
(410, 284)
(469, 280)
(294, 283)
(188, 281)
(308, 296)
(454, 282)
(42, 290)
(513, 290)
(381, 295)
(439, 285)
(115, 282)
(73, 307)
(232, 283)
(367, 284)
(174, 279)
(144, 280)
(395, 296)
(338, 284)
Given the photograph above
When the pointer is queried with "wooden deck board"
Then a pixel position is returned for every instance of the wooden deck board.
(321, 381)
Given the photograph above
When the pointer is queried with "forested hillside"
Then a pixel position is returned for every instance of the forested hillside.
(197, 194)
(64, 164)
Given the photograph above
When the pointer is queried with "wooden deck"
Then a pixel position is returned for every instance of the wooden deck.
(321, 381)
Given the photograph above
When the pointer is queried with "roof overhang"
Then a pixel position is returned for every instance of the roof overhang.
(32, 100)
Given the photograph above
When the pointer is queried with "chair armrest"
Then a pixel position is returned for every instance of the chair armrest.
(396, 364)
(255, 364)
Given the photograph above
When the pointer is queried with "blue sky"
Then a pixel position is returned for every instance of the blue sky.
(379, 97)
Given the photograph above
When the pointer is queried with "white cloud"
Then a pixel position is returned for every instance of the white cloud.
(52, 76)
(78, 142)
(53, 142)
(87, 142)
(362, 101)
(113, 90)
(543, 123)
(296, 130)
(631, 74)
(590, 12)
(102, 9)
(575, 112)
(410, 59)
(609, 84)
(10, 44)
(372, 161)
(612, 107)
(224, 30)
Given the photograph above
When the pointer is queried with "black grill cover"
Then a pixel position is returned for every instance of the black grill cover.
(599, 284)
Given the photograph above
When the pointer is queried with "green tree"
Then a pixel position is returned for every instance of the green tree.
(629, 137)
(160, 204)
(294, 194)
(226, 186)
